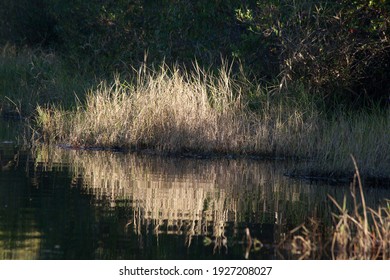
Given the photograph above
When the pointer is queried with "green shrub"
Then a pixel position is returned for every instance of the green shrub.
(339, 47)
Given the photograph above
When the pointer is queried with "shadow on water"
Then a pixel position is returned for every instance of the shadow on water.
(69, 204)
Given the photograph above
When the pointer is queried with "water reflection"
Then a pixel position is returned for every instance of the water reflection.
(104, 205)
(214, 199)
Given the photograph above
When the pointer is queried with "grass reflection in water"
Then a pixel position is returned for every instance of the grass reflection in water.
(228, 207)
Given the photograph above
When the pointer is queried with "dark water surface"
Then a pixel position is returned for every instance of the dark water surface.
(67, 204)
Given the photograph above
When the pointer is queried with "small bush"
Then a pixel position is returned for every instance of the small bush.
(340, 49)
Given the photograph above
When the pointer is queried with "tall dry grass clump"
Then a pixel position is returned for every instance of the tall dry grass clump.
(172, 111)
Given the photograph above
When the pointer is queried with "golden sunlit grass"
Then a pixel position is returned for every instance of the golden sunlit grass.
(174, 111)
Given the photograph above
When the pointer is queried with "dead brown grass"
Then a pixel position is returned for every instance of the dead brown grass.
(173, 111)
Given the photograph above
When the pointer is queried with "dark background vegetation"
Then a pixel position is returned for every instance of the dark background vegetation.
(337, 49)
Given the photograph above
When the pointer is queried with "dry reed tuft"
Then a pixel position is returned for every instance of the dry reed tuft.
(362, 233)
(309, 242)
(174, 111)
(356, 236)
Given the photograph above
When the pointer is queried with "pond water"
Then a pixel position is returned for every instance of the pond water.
(73, 204)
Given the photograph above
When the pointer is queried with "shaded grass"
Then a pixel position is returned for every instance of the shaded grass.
(29, 77)
(364, 134)
(176, 111)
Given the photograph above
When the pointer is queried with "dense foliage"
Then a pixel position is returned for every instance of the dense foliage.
(336, 48)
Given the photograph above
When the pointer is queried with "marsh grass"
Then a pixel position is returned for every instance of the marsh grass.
(363, 233)
(357, 233)
(29, 77)
(171, 110)
(362, 134)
